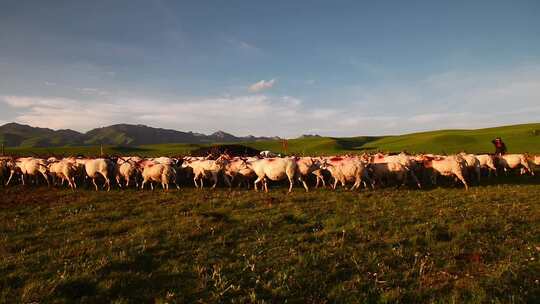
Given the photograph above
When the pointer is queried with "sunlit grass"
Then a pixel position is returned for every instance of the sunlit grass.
(436, 245)
(519, 139)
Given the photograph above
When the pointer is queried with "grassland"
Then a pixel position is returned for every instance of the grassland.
(519, 139)
(438, 245)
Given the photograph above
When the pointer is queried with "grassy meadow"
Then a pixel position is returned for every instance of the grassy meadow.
(438, 245)
(519, 139)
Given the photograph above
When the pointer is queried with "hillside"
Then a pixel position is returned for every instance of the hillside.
(519, 138)
(134, 135)
(13, 134)
(18, 135)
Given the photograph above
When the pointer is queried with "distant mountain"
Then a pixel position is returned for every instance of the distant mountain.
(223, 137)
(14, 135)
(310, 136)
(135, 135)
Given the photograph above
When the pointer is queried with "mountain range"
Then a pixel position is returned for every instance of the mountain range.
(20, 135)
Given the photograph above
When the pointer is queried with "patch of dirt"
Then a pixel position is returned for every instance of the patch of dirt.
(233, 150)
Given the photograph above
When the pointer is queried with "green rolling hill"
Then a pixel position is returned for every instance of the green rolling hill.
(519, 138)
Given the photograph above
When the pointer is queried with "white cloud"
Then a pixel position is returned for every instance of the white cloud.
(455, 99)
(243, 46)
(246, 46)
(261, 85)
(242, 115)
(93, 91)
(31, 102)
(207, 114)
(450, 100)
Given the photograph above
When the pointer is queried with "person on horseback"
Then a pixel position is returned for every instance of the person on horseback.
(500, 147)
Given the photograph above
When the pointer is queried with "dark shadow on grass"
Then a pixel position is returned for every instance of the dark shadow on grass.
(512, 178)
(140, 281)
(355, 143)
(127, 149)
(216, 216)
(75, 289)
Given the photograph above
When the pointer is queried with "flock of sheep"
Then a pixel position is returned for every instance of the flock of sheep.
(369, 170)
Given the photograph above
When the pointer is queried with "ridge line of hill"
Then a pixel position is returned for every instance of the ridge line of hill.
(20, 135)
(519, 139)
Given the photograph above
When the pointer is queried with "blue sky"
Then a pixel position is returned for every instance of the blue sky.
(271, 68)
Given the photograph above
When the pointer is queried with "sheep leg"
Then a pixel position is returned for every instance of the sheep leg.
(258, 180)
(94, 181)
(415, 178)
(356, 184)
(215, 178)
(460, 177)
(72, 183)
(195, 181)
(291, 183)
(366, 179)
(107, 181)
(143, 182)
(265, 183)
(335, 183)
(227, 180)
(319, 178)
(46, 177)
(303, 183)
(526, 166)
(10, 176)
(403, 178)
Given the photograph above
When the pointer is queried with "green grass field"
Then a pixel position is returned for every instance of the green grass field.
(441, 245)
(519, 139)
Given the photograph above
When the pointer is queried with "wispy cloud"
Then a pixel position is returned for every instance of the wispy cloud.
(26, 102)
(250, 114)
(450, 100)
(243, 46)
(94, 91)
(261, 85)
(233, 113)
(247, 46)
